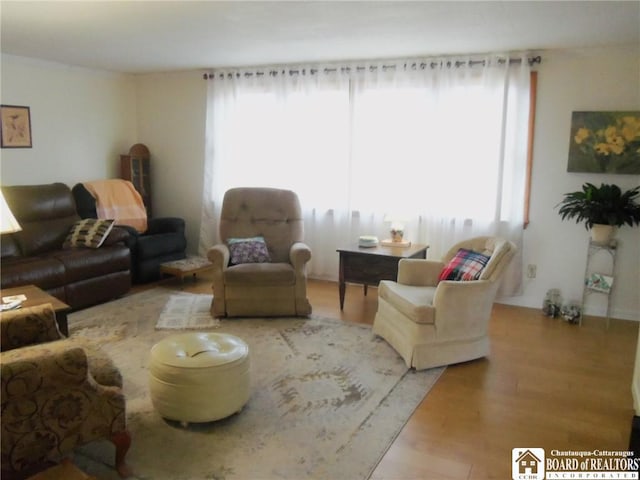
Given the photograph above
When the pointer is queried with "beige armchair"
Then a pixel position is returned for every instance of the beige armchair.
(432, 322)
(57, 394)
(270, 279)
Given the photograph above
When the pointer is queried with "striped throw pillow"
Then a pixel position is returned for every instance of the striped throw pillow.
(90, 232)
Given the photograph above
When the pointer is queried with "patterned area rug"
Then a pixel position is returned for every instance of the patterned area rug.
(327, 400)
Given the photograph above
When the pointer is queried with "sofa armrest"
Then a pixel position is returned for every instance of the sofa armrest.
(165, 225)
(132, 237)
(299, 255)
(117, 235)
(419, 272)
(28, 326)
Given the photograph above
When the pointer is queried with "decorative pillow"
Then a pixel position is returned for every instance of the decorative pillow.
(248, 250)
(90, 232)
(465, 265)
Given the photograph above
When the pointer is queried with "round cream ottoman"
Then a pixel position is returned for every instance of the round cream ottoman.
(199, 377)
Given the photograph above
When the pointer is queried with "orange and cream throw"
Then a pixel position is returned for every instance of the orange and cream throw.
(119, 200)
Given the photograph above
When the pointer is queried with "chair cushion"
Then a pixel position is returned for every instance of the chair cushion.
(84, 264)
(465, 265)
(414, 302)
(45, 272)
(272, 213)
(89, 232)
(28, 326)
(272, 274)
(45, 213)
(498, 249)
(248, 250)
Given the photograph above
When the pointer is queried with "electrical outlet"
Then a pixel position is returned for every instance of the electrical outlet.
(531, 270)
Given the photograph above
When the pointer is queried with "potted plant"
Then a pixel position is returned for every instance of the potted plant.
(601, 209)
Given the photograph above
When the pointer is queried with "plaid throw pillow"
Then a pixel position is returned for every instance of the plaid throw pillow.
(465, 265)
(248, 250)
(90, 232)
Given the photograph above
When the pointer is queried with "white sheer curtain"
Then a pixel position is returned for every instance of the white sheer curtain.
(438, 142)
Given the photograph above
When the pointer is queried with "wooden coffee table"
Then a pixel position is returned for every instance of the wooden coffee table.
(369, 265)
(36, 296)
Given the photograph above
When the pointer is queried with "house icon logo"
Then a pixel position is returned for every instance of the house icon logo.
(527, 463)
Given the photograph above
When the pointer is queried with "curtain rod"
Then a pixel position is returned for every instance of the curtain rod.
(412, 66)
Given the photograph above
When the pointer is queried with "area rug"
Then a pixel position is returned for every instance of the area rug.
(327, 399)
(185, 311)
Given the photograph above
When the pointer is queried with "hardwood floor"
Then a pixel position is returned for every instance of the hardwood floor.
(546, 384)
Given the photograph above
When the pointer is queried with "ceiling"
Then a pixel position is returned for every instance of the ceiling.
(154, 36)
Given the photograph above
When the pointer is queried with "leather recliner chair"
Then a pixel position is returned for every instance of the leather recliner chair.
(163, 241)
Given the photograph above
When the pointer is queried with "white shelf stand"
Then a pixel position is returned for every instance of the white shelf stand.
(599, 281)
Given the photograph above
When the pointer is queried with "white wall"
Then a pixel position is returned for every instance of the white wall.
(604, 79)
(171, 122)
(81, 121)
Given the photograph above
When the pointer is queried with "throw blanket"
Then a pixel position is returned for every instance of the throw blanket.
(119, 200)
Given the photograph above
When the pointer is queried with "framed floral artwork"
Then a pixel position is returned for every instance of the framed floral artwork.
(605, 142)
(15, 122)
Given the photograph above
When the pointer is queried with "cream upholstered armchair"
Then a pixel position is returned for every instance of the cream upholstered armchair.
(57, 394)
(260, 268)
(431, 320)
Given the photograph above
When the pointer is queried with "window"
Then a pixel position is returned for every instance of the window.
(444, 147)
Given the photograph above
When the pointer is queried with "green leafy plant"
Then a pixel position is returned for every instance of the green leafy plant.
(605, 205)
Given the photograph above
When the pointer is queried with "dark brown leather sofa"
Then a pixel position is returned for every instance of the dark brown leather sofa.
(80, 277)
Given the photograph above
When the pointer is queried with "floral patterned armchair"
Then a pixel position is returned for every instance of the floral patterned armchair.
(56, 394)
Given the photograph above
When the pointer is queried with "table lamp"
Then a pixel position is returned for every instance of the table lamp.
(8, 223)
(396, 229)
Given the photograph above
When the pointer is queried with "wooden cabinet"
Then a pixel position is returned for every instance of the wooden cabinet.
(136, 167)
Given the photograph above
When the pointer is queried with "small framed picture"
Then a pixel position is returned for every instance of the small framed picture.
(605, 142)
(16, 126)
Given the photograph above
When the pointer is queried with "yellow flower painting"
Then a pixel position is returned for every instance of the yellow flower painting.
(605, 142)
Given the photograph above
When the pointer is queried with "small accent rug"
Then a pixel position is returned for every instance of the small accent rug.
(327, 399)
(187, 311)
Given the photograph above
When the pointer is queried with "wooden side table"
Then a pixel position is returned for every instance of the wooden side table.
(367, 266)
(37, 296)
